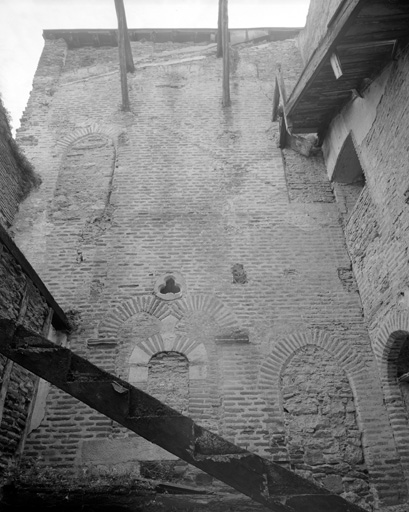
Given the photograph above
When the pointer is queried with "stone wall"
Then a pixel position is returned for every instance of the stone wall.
(181, 187)
(19, 300)
(16, 174)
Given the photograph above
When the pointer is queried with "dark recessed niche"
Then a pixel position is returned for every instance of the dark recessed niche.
(170, 286)
(239, 274)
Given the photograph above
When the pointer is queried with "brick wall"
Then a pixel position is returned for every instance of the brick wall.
(180, 185)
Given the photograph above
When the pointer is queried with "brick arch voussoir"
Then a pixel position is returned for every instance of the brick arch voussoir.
(90, 129)
(151, 305)
(272, 368)
(388, 340)
(212, 306)
(195, 353)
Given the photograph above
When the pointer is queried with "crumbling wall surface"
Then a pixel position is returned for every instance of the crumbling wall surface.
(16, 174)
(179, 228)
(377, 231)
(319, 15)
(16, 384)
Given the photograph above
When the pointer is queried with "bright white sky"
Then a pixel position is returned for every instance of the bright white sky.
(22, 23)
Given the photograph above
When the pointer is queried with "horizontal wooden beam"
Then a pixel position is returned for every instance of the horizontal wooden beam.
(262, 480)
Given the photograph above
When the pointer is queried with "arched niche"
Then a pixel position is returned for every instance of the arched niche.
(83, 183)
(402, 370)
(322, 435)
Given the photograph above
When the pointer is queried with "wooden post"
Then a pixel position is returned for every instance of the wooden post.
(120, 12)
(226, 55)
(220, 31)
(122, 53)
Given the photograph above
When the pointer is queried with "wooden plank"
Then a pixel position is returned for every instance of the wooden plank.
(362, 29)
(122, 55)
(384, 9)
(262, 480)
(60, 321)
(346, 16)
(226, 55)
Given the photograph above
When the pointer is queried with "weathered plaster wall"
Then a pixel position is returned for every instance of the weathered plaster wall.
(181, 186)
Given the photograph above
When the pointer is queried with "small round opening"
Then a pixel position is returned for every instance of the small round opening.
(170, 286)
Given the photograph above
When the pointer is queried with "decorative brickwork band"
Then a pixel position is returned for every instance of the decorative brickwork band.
(93, 128)
(205, 304)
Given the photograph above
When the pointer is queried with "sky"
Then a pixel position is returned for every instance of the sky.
(22, 23)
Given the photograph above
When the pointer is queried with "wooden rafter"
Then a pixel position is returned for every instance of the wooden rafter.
(362, 38)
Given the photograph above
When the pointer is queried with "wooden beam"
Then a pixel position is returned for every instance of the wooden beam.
(220, 31)
(262, 480)
(226, 55)
(345, 17)
(122, 56)
(120, 12)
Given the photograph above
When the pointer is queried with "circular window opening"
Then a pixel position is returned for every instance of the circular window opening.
(169, 286)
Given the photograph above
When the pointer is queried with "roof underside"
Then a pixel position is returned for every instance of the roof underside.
(364, 34)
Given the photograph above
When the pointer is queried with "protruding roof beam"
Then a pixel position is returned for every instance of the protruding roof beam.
(346, 14)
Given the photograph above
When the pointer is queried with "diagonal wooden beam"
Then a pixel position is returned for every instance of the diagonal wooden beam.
(339, 24)
(264, 481)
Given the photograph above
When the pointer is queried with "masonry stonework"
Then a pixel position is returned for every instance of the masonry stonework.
(279, 361)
